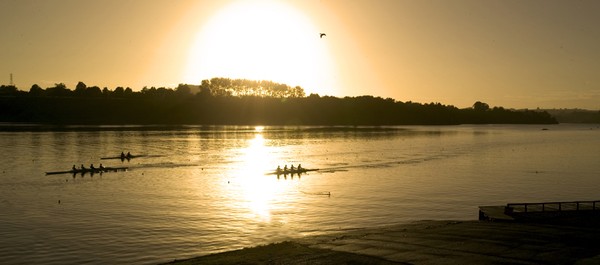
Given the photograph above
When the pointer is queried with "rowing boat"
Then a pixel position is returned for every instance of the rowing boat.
(289, 171)
(121, 157)
(128, 157)
(83, 171)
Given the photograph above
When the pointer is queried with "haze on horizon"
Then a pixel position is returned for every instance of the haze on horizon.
(516, 54)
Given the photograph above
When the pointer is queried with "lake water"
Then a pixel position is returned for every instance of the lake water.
(202, 190)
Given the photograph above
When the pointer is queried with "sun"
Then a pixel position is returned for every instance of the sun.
(262, 40)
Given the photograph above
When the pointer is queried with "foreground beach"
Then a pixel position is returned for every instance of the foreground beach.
(430, 242)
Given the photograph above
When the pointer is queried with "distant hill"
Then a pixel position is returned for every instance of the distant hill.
(575, 115)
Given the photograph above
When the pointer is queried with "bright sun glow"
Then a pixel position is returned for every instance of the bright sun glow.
(262, 40)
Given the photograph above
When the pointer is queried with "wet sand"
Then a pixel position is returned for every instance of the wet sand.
(430, 242)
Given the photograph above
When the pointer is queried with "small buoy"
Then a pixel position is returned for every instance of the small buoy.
(58, 201)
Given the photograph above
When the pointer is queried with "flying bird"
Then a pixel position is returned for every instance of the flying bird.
(321, 35)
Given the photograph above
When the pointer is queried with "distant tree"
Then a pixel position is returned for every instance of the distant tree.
(58, 90)
(297, 92)
(93, 91)
(8, 90)
(105, 92)
(183, 89)
(205, 90)
(314, 96)
(148, 92)
(280, 91)
(480, 106)
(163, 91)
(80, 88)
(36, 90)
(119, 91)
(128, 92)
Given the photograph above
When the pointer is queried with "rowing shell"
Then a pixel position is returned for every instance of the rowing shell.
(120, 157)
(128, 157)
(106, 169)
(295, 171)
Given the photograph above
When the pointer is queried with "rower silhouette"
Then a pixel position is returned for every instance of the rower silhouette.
(321, 35)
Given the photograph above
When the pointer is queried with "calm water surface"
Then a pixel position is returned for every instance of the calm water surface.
(206, 189)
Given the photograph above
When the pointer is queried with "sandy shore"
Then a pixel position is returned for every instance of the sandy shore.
(430, 242)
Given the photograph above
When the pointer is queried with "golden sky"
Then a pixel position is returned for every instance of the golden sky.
(511, 53)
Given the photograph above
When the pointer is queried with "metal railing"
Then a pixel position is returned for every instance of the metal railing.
(552, 206)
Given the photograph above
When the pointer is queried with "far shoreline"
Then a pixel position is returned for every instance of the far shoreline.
(49, 127)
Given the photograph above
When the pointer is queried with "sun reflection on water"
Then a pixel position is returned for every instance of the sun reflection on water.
(258, 190)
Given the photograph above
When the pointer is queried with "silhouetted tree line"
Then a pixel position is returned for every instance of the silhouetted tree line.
(236, 101)
(575, 115)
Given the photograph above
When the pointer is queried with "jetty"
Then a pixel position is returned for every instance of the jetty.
(563, 211)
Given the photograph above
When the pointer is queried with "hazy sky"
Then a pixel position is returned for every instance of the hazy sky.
(516, 54)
